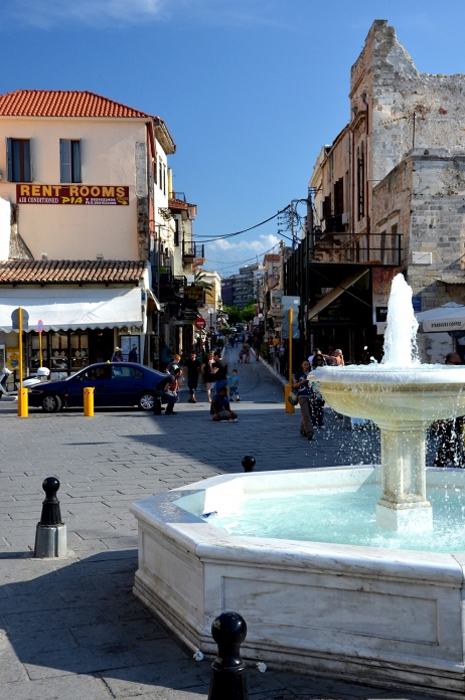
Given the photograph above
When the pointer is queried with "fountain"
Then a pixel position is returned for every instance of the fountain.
(383, 616)
(403, 398)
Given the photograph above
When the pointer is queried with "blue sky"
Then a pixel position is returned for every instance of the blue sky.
(250, 89)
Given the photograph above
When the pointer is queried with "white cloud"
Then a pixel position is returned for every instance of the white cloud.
(45, 13)
(100, 13)
(259, 245)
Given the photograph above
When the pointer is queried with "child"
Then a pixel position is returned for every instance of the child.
(234, 385)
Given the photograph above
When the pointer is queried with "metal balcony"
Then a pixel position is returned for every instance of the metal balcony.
(193, 250)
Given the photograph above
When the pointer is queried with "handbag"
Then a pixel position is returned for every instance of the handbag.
(292, 398)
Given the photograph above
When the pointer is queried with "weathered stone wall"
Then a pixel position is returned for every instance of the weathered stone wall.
(408, 109)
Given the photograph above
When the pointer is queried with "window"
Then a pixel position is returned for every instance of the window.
(160, 174)
(164, 179)
(124, 372)
(361, 182)
(19, 160)
(70, 161)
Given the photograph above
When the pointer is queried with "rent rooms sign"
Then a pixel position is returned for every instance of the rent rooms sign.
(72, 194)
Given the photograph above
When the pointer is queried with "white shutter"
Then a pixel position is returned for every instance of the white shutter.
(65, 160)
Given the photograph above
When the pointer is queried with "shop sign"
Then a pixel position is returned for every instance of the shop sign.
(194, 293)
(72, 194)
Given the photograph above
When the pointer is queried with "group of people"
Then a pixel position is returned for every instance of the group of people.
(213, 372)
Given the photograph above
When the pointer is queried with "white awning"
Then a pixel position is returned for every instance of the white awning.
(450, 317)
(73, 308)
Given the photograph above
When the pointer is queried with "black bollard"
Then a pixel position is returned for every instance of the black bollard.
(248, 463)
(51, 506)
(228, 679)
(50, 531)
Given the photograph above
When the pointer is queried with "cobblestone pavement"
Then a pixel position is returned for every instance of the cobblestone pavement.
(71, 628)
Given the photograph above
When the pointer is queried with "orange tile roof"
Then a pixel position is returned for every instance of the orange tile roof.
(64, 103)
(71, 271)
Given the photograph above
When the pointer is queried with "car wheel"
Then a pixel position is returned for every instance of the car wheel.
(146, 402)
(51, 403)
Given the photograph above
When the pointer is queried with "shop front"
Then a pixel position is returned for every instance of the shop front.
(81, 325)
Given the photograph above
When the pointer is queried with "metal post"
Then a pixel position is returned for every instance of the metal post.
(89, 401)
(289, 407)
(248, 463)
(50, 531)
(23, 410)
(228, 679)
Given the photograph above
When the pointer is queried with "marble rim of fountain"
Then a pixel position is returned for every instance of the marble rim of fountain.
(384, 617)
(392, 396)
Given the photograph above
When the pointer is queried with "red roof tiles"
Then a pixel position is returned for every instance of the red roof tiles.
(71, 271)
(64, 103)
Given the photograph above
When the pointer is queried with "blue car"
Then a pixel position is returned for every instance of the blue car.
(116, 384)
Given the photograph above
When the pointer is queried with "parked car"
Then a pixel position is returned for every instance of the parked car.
(116, 384)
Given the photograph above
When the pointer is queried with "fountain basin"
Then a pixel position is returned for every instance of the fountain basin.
(391, 618)
(395, 396)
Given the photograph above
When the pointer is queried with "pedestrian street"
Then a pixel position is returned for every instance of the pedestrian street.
(71, 627)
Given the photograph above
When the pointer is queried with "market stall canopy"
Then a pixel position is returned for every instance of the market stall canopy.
(450, 317)
(75, 308)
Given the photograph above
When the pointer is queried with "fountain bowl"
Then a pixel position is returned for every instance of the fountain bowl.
(395, 395)
(389, 618)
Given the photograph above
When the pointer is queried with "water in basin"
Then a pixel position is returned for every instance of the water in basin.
(346, 517)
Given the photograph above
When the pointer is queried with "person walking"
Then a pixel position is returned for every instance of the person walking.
(207, 374)
(304, 395)
(193, 371)
(117, 355)
(220, 371)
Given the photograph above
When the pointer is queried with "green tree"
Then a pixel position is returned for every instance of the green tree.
(248, 312)
(234, 314)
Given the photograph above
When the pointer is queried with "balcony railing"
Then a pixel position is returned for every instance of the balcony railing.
(382, 248)
(193, 250)
(177, 195)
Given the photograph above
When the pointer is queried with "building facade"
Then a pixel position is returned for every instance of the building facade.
(387, 198)
(84, 204)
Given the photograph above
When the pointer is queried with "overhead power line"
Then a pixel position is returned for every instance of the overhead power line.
(208, 239)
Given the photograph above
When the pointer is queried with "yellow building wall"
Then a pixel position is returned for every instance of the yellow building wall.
(108, 158)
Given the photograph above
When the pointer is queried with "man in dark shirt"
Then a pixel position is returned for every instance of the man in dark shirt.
(193, 371)
(220, 371)
(165, 390)
(221, 409)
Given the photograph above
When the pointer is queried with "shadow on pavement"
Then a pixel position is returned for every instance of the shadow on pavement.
(82, 618)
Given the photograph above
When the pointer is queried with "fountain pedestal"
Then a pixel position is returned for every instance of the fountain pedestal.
(403, 504)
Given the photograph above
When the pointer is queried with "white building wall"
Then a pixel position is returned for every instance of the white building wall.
(108, 153)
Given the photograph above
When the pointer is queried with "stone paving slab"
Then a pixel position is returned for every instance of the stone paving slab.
(72, 628)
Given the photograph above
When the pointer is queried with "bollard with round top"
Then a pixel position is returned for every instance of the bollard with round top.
(228, 679)
(50, 531)
(248, 462)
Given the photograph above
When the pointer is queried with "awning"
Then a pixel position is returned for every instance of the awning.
(334, 294)
(73, 308)
(442, 319)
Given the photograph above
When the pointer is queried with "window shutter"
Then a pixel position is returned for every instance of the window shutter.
(9, 158)
(65, 160)
(76, 161)
(27, 161)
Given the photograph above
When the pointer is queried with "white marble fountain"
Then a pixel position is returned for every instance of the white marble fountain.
(376, 615)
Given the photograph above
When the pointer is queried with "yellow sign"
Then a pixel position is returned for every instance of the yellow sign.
(12, 358)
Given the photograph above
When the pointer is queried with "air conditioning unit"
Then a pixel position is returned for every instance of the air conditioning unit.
(345, 218)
